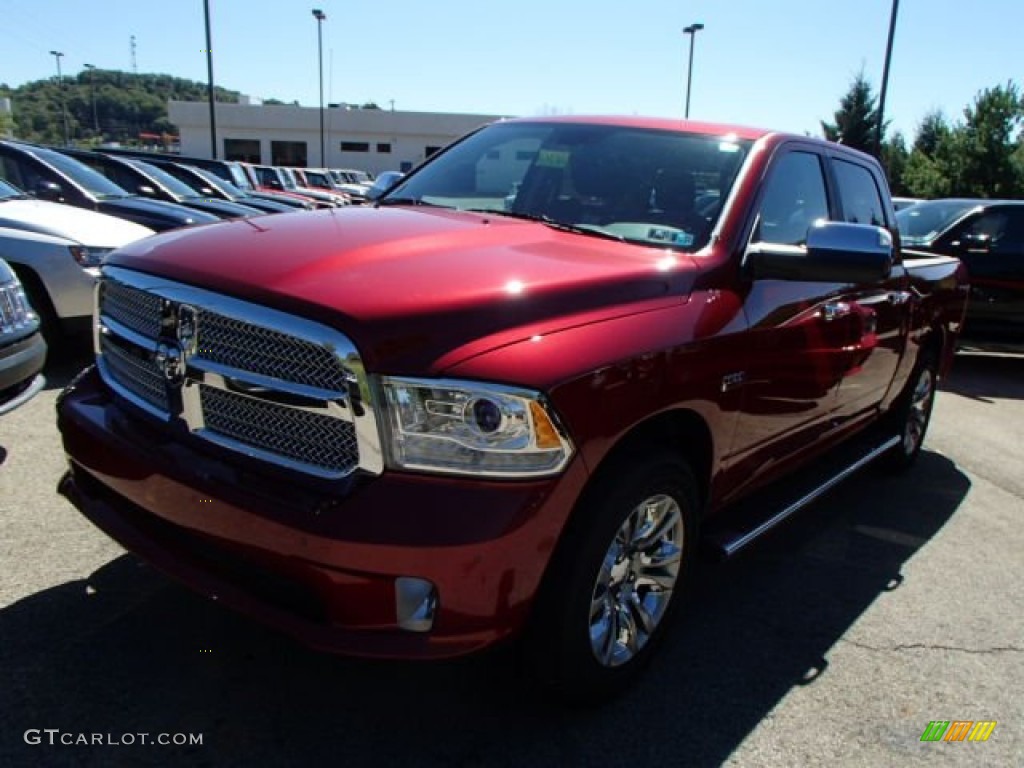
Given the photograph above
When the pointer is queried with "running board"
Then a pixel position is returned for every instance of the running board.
(729, 542)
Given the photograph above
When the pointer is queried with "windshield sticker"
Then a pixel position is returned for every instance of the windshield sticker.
(674, 236)
(552, 158)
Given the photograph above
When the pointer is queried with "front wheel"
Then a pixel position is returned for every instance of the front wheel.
(615, 580)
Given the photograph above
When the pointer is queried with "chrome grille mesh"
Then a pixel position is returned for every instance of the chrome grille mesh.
(241, 345)
(309, 438)
(138, 310)
(305, 421)
(138, 375)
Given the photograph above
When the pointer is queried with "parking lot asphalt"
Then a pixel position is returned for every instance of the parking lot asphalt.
(891, 602)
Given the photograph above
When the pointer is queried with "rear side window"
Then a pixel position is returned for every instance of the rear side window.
(862, 202)
(794, 198)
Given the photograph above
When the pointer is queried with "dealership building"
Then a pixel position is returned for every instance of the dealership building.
(373, 140)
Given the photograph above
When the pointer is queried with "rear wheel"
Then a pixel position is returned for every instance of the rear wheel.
(615, 581)
(913, 413)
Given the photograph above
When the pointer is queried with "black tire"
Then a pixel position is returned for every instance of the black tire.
(912, 413)
(563, 650)
(49, 324)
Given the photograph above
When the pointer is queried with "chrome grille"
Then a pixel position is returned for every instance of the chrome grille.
(308, 438)
(306, 404)
(241, 345)
(138, 374)
(138, 310)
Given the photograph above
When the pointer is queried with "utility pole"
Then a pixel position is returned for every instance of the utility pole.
(885, 79)
(92, 94)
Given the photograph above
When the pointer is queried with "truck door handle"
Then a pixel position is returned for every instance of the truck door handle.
(834, 310)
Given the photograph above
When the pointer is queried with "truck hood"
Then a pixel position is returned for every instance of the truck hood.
(82, 226)
(419, 290)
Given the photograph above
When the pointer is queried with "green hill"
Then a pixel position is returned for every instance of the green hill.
(126, 105)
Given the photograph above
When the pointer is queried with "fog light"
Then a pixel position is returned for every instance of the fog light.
(415, 603)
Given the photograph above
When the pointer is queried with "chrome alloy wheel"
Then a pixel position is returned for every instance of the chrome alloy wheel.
(919, 411)
(636, 580)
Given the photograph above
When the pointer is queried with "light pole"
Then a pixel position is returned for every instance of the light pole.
(885, 78)
(692, 31)
(320, 16)
(209, 82)
(92, 94)
(60, 89)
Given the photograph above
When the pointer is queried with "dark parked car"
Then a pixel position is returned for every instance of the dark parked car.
(49, 175)
(22, 349)
(213, 186)
(228, 170)
(152, 182)
(988, 237)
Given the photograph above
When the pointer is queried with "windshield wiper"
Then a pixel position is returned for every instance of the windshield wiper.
(548, 221)
(407, 201)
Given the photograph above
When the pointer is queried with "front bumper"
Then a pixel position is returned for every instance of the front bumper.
(319, 562)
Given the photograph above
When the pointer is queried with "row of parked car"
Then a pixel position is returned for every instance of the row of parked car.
(62, 210)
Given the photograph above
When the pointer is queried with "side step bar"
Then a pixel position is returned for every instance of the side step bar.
(728, 543)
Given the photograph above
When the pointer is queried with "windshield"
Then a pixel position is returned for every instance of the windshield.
(288, 179)
(215, 181)
(239, 178)
(922, 222)
(176, 187)
(91, 181)
(642, 186)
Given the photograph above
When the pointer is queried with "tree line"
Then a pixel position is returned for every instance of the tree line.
(979, 155)
(126, 105)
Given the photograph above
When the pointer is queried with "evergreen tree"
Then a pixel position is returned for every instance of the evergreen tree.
(856, 120)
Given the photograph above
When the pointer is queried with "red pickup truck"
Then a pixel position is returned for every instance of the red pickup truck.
(507, 399)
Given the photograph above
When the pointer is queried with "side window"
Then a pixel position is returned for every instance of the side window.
(1012, 241)
(20, 174)
(794, 199)
(862, 202)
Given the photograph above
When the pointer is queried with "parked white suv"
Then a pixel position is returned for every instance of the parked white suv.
(57, 260)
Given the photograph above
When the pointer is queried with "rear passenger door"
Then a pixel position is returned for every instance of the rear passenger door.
(883, 307)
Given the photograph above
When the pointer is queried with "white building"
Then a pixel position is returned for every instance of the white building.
(372, 140)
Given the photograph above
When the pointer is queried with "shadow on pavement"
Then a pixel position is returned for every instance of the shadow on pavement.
(985, 377)
(127, 651)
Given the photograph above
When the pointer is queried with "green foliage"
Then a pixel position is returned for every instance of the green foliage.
(982, 156)
(856, 120)
(126, 105)
(894, 160)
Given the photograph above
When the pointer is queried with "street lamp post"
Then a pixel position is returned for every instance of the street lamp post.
(320, 16)
(60, 89)
(209, 82)
(885, 78)
(692, 31)
(92, 95)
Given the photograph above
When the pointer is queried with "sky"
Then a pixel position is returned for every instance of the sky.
(779, 64)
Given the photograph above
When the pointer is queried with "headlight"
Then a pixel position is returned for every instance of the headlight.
(471, 428)
(88, 257)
